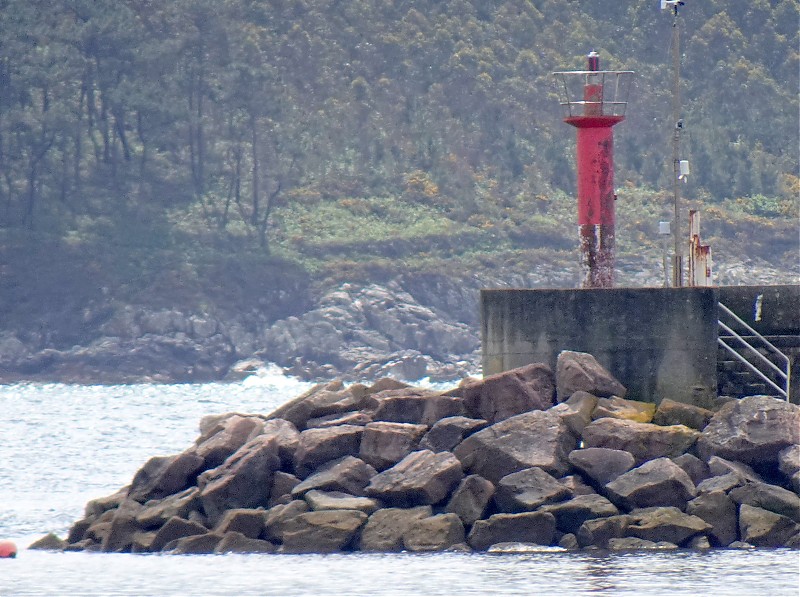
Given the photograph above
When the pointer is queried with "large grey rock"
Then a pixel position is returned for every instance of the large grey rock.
(527, 527)
(644, 440)
(763, 528)
(598, 531)
(123, 526)
(528, 489)
(242, 481)
(789, 460)
(320, 445)
(513, 392)
(577, 411)
(155, 513)
(384, 444)
(666, 524)
(348, 475)
(718, 510)
(658, 482)
(753, 430)
(204, 543)
(299, 410)
(769, 497)
(336, 500)
(537, 438)
(602, 465)
(720, 466)
(165, 475)
(222, 435)
(629, 410)
(175, 528)
(447, 433)
(277, 518)
(670, 412)
(322, 532)
(282, 486)
(417, 406)
(470, 499)
(421, 478)
(570, 515)
(435, 533)
(246, 521)
(385, 528)
(286, 437)
(722, 483)
(636, 544)
(697, 470)
(580, 371)
(234, 542)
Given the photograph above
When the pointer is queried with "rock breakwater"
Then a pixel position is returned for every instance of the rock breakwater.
(529, 457)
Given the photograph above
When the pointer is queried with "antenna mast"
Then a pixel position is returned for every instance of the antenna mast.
(677, 258)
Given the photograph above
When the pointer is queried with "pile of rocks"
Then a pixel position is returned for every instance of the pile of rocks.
(526, 457)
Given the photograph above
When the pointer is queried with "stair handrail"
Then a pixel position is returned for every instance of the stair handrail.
(786, 377)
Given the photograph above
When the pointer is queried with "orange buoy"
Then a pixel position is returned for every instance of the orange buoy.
(8, 549)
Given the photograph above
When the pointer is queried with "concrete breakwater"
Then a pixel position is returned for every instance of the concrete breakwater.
(529, 457)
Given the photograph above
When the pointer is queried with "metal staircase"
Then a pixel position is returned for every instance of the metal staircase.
(748, 363)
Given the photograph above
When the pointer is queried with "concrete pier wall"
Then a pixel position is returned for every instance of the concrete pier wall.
(659, 342)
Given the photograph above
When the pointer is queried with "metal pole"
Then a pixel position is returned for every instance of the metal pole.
(677, 260)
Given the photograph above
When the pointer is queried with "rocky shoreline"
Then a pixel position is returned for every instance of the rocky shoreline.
(526, 460)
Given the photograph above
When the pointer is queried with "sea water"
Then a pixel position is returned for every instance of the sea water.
(63, 445)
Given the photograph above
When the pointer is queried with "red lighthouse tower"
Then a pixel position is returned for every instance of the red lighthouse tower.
(593, 102)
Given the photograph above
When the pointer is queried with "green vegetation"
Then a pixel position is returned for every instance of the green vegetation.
(152, 144)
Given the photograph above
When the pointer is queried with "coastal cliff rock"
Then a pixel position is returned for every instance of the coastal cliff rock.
(390, 467)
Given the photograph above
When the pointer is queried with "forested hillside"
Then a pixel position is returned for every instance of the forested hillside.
(180, 136)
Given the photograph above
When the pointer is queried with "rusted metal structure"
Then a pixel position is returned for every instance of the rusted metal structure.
(699, 254)
(593, 101)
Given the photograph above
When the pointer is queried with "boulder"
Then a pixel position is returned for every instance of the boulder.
(435, 533)
(242, 481)
(222, 435)
(629, 410)
(644, 441)
(310, 404)
(322, 532)
(384, 444)
(769, 497)
(321, 445)
(666, 524)
(718, 510)
(417, 406)
(355, 417)
(763, 528)
(753, 430)
(528, 489)
(697, 470)
(513, 392)
(470, 499)
(348, 475)
(447, 433)
(670, 412)
(277, 518)
(123, 526)
(719, 466)
(282, 486)
(165, 475)
(194, 544)
(248, 522)
(175, 528)
(580, 371)
(142, 541)
(385, 528)
(538, 438)
(658, 482)
(50, 542)
(635, 544)
(601, 465)
(98, 506)
(576, 485)
(571, 514)
(234, 542)
(527, 527)
(722, 483)
(336, 500)
(789, 465)
(421, 478)
(598, 531)
(286, 437)
(577, 411)
(155, 513)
